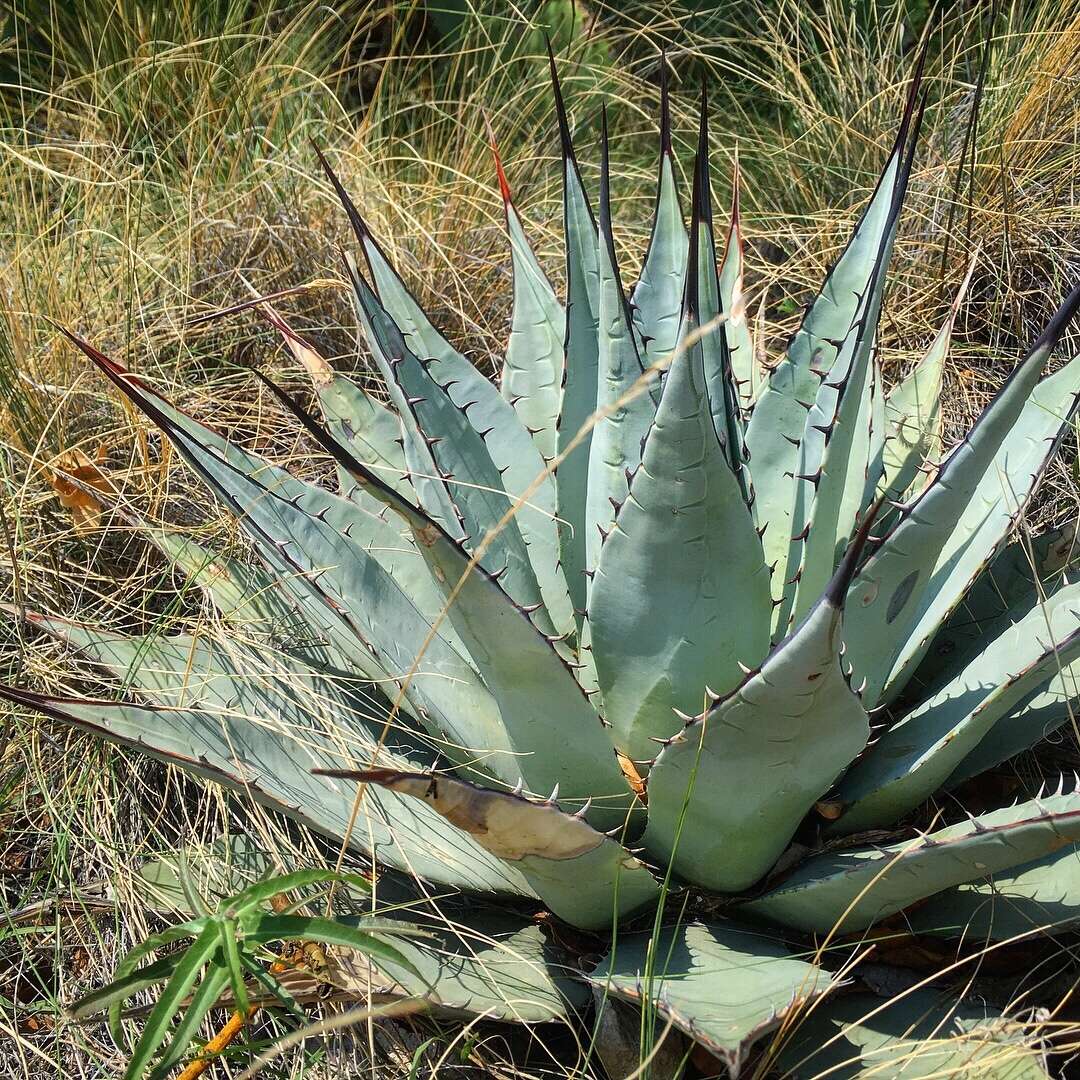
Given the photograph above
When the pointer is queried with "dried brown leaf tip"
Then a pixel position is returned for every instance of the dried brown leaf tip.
(316, 365)
(633, 777)
(70, 475)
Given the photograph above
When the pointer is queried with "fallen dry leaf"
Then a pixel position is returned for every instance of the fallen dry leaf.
(75, 464)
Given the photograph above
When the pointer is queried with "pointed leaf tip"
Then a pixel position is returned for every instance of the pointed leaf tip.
(837, 589)
(111, 367)
(736, 183)
(1059, 322)
(359, 226)
(703, 130)
(504, 186)
(560, 109)
(665, 107)
(915, 102)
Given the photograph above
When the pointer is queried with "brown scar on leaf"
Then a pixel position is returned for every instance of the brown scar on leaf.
(508, 826)
(426, 535)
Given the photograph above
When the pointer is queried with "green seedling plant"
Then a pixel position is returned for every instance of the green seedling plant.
(227, 951)
(651, 618)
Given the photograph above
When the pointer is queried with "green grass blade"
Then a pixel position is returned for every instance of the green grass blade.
(169, 1003)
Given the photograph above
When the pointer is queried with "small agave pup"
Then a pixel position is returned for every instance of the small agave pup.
(635, 628)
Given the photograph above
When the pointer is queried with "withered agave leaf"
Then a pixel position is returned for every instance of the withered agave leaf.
(585, 877)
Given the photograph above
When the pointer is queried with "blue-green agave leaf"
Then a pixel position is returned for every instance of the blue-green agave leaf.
(917, 1035)
(309, 537)
(557, 738)
(506, 442)
(619, 435)
(482, 962)
(656, 299)
(915, 757)
(853, 888)
(230, 749)
(834, 459)
(776, 425)
(358, 419)
(913, 412)
(686, 533)
(1038, 716)
(997, 504)
(1039, 897)
(472, 482)
(703, 285)
(581, 350)
(587, 879)
(722, 985)
(931, 556)
(1023, 574)
(832, 475)
(728, 792)
(200, 672)
(242, 593)
(532, 373)
(746, 367)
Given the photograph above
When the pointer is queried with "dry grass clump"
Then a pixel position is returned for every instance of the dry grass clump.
(155, 157)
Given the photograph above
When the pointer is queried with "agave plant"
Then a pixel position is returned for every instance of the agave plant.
(607, 640)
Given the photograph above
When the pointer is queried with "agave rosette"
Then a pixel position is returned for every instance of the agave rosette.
(635, 612)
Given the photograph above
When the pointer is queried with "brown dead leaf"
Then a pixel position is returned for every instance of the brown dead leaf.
(633, 777)
(322, 374)
(75, 465)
